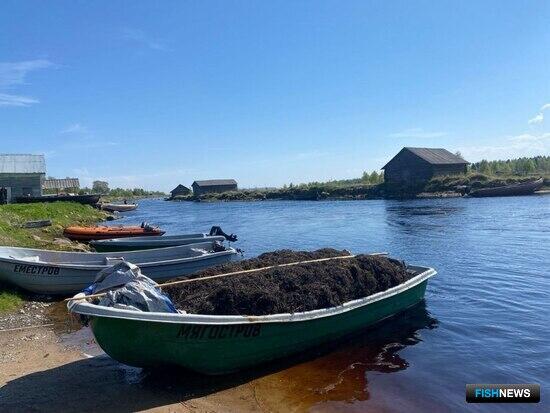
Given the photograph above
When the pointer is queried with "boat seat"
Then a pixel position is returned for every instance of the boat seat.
(113, 260)
(32, 258)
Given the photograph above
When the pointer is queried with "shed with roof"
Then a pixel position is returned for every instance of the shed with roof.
(214, 185)
(417, 165)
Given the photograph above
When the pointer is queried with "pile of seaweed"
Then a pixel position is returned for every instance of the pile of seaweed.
(303, 287)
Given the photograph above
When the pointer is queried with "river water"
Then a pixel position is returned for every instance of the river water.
(485, 318)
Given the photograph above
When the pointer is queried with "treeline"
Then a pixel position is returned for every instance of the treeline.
(368, 178)
(122, 192)
(102, 187)
(374, 178)
(520, 166)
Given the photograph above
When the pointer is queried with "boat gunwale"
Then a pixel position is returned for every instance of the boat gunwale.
(85, 308)
(156, 238)
(97, 266)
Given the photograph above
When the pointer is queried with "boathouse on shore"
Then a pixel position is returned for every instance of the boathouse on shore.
(21, 175)
(179, 190)
(416, 165)
(214, 185)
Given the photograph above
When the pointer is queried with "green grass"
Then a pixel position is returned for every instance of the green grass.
(62, 214)
(9, 299)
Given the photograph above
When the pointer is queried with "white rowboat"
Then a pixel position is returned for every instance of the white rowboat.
(118, 207)
(56, 272)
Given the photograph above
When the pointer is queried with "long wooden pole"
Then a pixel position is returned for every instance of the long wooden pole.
(211, 277)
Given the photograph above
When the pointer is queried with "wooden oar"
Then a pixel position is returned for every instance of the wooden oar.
(211, 277)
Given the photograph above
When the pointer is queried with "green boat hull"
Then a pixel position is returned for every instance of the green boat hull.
(220, 349)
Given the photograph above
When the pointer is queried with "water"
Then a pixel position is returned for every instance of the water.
(486, 314)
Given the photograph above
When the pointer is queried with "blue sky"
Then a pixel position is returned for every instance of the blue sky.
(153, 94)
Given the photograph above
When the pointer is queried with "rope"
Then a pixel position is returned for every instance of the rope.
(211, 277)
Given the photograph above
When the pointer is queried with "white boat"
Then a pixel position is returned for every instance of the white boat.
(150, 242)
(118, 207)
(57, 272)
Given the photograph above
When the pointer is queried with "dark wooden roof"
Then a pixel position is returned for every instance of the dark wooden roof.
(61, 183)
(215, 182)
(434, 156)
(179, 188)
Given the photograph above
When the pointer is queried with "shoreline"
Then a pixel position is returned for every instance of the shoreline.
(451, 186)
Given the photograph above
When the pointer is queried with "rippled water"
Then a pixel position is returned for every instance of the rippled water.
(486, 314)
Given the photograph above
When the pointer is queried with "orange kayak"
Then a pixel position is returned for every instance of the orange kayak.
(102, 232)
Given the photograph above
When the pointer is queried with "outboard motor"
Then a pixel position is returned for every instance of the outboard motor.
(218, 247)
(215, 230)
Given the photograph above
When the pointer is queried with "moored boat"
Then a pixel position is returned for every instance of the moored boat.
(218, 344)
(144, 243)
(57, 272)
(523, 188)
(76, 233)
(92, 199)
(108, 206)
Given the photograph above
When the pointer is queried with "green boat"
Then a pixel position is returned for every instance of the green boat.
(213, 344)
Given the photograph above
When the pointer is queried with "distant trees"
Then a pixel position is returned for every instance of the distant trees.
(121, 192)
(374, 178)
(100, 187)
(520, 166)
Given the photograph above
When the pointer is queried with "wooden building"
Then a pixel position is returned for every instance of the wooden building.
(214, 185)
(417, 165)
(179, 190)
(21, 175)
(67, 185)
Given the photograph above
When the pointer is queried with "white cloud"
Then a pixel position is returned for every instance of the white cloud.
(75, 128)
(517, 146)
(417, 133)
(13, 74)
(537, 119)
(544, 107)
(528, 137)
(142, 38)
(15, 100)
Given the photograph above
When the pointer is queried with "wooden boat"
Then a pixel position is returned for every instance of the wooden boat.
(55, 272)
(107, 206)
(144, 243)
(81, 199)
(223, 344)
(523, 188)
(102, 232)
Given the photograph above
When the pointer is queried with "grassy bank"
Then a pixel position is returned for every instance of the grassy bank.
(62, 214)
(12, 233)
(358, 189)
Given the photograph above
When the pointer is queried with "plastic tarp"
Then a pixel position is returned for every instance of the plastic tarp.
(135, 291)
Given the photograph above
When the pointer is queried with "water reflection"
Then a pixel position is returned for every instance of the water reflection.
(418, 217)
(338, 372)
(408, 210)
(342, 375)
